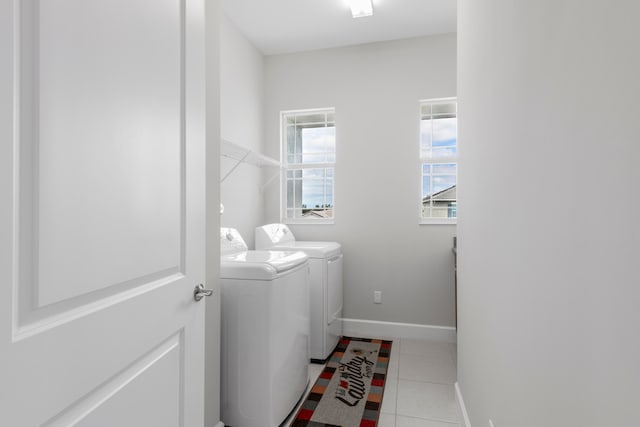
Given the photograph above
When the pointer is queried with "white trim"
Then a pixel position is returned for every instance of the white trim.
(286, 166)
(378, 329)
(438, 221)
(220, 424)
(301, 221)
(308, 110)
(437, 100)
(462, 410)
(429, 159)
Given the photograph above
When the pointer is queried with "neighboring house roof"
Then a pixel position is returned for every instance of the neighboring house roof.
(446, 195)
(318, 213)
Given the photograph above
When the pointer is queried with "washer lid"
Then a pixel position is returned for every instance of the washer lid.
(273, 234)
(313, 249)
(259, 265)
(231, 241)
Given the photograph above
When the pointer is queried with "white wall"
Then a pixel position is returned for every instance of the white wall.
(375, 90)
(549, 299)
(241, 117)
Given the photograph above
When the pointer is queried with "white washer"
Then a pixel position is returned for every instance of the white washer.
(265, 332)
(325, 259)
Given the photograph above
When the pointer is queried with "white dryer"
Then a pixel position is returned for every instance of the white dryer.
(325, 259)
(265, 332)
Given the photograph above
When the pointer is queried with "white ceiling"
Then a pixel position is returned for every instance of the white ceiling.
(285, 26)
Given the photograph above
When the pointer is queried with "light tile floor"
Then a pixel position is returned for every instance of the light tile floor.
(420, 385)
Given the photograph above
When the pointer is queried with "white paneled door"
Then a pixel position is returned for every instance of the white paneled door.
(101, 212)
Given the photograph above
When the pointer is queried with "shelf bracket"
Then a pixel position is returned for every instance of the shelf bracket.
(235, 166)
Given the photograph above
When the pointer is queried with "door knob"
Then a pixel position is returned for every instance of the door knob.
(200, 292)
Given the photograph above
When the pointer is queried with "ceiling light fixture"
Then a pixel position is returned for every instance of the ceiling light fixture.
(361, 8)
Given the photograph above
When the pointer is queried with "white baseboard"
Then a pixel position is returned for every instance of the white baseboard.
(379, 329)
(462, 410)
(220, 424)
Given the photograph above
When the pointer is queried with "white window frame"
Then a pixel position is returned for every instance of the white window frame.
(286, 166)
(438, 160)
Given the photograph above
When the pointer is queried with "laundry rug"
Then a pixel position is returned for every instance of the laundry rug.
(349, 391)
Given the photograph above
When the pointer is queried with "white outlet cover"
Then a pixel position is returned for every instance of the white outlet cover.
(377, 297)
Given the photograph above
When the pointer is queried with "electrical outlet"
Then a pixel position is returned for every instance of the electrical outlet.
(491, 423)
(377, 297)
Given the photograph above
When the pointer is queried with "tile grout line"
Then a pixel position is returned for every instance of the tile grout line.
(450, 358)
(432, 419)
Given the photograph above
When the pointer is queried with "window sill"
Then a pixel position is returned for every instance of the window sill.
(438, 221)
(309, 221)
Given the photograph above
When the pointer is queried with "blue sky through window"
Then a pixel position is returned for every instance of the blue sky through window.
(438, 150)
(310, 143)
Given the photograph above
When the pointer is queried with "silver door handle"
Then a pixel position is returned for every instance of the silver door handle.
(200, 292)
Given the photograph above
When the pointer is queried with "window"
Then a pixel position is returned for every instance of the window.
(309, 151)
(439, 162)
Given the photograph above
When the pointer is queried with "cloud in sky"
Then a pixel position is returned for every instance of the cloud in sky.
(317, 183)
(318, 139)
(317, 192)
(444, 130)
(315, 188)
(438, 133)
